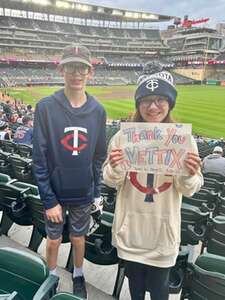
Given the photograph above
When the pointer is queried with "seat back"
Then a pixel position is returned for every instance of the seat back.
(5, 166)
(12, 296)
(24, 150)
(221, 205)
(9, 146)
(216, 239)
(216, 176)
(207, 278)
(12, 199)
(31, 189)
(36, 210)
(98, 246)
(64, 296)
(21, 168)
(192, 216)
(109, 198)
(4, 178)
(21, 271)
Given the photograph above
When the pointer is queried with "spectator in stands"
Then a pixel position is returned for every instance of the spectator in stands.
(199, 139)
(215, 162)
(24, 134)
(7, 109)
(29, 109)
(20, 118)
(68, 151)
(146, 228)
(5, 132)
(221, 142)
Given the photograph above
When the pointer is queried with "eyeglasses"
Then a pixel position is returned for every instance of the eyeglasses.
(158, 102)
(82, 69)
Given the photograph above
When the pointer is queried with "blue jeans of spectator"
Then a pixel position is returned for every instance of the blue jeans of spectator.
(144, 278)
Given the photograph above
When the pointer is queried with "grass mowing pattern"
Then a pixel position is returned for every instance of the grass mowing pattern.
(203, 106)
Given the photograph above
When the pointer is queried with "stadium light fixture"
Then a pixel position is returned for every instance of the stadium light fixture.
(100, 10)
(150, 16)
(41, 2)
(133, 15)
(116, 12)
(83, 7)
(62, 4)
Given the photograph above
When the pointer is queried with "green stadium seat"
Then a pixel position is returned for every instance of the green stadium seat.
(216, 236)
(108, 195)
(9, 146)
(216, 176)
(64, 296)
(193, 224)
(5, 166)
(220, 209)
(13, 296)
(205, 279)
(4, 178)
(12, 201)
(24, 150)
(98, 247)
(21, 168)
(205, 200)
(26, 274)
(36, 212)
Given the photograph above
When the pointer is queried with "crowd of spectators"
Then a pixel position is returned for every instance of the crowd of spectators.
(16, 120)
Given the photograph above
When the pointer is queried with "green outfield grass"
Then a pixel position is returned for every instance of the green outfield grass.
(203, 106)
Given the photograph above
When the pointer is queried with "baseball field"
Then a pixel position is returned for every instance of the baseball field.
(203, 106)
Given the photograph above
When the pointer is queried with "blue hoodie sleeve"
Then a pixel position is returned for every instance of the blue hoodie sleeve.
(100, 156)
(40, 161)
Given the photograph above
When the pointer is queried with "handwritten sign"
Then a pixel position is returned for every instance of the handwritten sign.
(158, 148)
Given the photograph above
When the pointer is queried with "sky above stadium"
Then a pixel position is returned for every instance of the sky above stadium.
(213, 9)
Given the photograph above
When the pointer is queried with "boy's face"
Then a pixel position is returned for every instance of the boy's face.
(76, 75)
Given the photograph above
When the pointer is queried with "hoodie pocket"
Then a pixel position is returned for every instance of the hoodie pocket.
(72, 182)
(144, 231)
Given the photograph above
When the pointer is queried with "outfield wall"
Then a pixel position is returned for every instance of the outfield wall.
(196, 74)
(200, 73)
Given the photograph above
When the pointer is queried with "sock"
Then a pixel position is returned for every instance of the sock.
(77, 271)
(53, 272)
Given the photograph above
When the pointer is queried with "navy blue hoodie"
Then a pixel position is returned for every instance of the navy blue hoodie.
(69, 147)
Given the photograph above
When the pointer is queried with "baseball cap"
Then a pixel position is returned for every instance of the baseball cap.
(76, 53)
(218, 149)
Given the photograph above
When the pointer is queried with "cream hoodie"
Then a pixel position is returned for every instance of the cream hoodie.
(148, 232)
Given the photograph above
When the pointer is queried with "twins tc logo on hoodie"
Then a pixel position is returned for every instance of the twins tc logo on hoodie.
(75, 139)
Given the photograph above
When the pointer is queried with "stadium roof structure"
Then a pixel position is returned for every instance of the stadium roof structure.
(78, 9)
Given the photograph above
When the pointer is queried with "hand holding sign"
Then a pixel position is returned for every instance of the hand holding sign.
(192, 163)
(116, 157)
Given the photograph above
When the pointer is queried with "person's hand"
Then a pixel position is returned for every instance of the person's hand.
(116, 157)
(192, 163)
(55, 214)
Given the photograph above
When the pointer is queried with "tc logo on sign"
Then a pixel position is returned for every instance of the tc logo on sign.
(152, 84)
(78, 139)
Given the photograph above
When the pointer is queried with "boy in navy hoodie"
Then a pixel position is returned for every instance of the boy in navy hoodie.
(69, 148)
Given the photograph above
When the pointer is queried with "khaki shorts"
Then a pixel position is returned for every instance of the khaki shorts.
(75, 218)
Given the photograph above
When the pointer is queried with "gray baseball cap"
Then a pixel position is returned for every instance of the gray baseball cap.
(76, 53)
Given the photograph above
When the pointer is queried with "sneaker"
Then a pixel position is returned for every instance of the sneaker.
(79, 287)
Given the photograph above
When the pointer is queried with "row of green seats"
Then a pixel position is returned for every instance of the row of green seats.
(24, 276)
